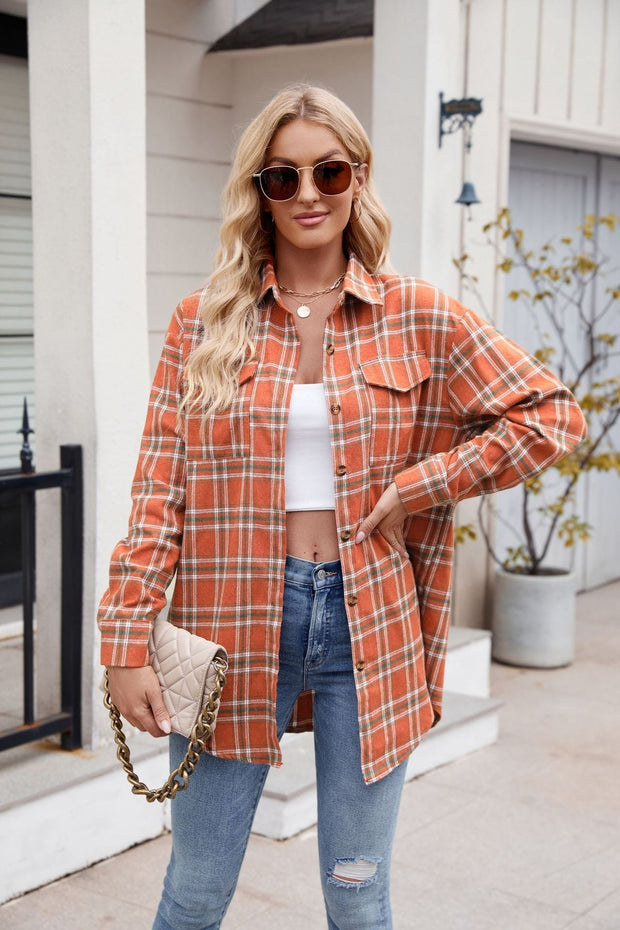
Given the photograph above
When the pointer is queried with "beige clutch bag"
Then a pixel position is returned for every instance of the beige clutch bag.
(191, 672)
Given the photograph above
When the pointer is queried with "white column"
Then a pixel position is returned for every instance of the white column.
(420, 50)
(87, 106)
(417, 54)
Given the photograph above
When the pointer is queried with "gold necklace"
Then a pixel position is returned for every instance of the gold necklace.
(303, 310)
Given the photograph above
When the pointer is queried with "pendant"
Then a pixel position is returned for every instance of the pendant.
(303, 311)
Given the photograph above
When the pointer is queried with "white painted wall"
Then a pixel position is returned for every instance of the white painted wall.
(87, 128)
(188, 147)
(343, 67)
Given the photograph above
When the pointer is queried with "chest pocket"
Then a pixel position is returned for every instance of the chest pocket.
(394, 385)
(227, 433)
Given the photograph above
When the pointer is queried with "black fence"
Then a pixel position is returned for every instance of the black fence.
(69, 480)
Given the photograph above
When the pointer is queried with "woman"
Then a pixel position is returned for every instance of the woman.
(313, 421)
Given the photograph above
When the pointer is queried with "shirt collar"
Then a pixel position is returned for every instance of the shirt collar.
(357, 281)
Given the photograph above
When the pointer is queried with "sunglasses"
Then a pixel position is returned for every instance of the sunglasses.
(282, 182)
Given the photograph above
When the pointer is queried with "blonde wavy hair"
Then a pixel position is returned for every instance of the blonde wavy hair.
(229, 301)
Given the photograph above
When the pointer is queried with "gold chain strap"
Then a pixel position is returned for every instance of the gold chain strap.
(201, 731)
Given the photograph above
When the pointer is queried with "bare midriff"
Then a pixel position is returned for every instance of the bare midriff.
(312, 535)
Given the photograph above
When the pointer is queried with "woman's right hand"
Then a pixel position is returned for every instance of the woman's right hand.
(137, 695)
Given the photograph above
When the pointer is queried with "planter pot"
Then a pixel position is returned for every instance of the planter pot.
(534, 619)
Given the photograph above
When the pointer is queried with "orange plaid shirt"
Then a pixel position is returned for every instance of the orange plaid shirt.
(420, 391)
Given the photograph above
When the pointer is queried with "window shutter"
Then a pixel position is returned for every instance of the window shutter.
(16, 304)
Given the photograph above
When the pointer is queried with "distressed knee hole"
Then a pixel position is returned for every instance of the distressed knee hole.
(354, 873)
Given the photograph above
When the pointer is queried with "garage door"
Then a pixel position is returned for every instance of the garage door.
(550, 192)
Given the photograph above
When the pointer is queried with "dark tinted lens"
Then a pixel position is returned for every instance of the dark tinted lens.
(332, 177)
(279, 182)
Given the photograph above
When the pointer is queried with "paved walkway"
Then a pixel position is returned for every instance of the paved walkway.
(524, 835)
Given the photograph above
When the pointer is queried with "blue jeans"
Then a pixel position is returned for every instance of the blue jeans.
(212, 818)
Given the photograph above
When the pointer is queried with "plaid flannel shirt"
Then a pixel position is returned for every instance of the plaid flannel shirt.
(420, 391)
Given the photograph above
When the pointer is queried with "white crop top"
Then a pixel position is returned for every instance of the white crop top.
(308, 469)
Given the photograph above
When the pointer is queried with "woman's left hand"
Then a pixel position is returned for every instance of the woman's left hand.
(388, 516)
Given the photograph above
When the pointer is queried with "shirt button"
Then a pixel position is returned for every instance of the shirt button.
(360, 665)
(335, 408)
(352, 600)
(345, 535)
(330, 349)
(341, 470)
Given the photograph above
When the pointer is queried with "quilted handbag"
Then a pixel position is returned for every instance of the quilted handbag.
(191, 672)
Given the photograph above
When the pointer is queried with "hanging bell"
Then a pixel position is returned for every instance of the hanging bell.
(468, 195)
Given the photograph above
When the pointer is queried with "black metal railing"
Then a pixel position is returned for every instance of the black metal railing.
(69, 480)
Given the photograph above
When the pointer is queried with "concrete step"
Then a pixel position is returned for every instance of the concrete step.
(63, 811)
(60, 812)
(468, 661)
(288, 805)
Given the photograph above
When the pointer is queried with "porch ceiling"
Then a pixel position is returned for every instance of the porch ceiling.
(288, 22)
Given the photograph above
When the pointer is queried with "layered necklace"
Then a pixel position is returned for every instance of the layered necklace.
(303, 310)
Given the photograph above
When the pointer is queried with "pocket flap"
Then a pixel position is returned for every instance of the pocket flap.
(247, 371)
(398, 374)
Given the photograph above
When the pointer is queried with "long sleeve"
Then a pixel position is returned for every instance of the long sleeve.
(515, 416)
(144, 562)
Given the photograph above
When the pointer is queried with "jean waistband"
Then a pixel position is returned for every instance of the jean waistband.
(314, 574)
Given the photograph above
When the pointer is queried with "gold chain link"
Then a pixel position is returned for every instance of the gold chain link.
(201, 731)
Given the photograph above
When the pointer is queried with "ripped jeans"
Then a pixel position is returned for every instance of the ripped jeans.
(211, 820)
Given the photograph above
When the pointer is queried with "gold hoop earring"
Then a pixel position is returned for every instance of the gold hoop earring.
(356, 209)
(263, 214)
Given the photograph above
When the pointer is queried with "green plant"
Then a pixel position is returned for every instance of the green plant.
(576, 316)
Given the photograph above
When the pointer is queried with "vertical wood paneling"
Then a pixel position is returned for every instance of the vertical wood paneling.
(610, 79)
(521, 56)
(555, 59)
(562, 62)
(587, 62)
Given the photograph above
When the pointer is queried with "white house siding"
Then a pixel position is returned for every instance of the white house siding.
(548, 71)
(344, 67)
(189, 145)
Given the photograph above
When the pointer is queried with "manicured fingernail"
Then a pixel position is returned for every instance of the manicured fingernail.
(165, 726)
(360, 537)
